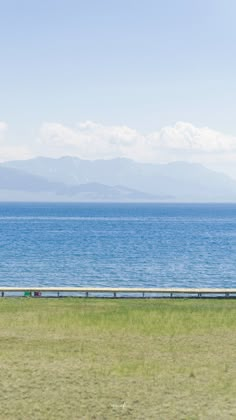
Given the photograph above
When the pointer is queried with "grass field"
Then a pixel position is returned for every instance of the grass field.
(111, 359)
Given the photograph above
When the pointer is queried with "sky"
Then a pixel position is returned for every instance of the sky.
(149, 80)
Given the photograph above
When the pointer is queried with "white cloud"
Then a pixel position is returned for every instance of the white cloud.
(203, 145)
(183, 141)
(186, 137)
(90, 140)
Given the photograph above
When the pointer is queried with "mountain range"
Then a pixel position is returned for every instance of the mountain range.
(73, 179)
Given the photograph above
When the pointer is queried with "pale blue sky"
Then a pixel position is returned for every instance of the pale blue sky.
(144, 64)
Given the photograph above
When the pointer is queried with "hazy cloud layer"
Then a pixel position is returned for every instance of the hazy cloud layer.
(3, 129)
(186, 137)
(182, 141)
(8, 151)
(96, 140)
(90, 140)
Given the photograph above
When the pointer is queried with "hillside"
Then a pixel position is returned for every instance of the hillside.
(178, 181)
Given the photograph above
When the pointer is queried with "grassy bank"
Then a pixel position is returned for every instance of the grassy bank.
(105, 359)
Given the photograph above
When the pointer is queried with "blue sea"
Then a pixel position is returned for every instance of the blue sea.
(149, 245)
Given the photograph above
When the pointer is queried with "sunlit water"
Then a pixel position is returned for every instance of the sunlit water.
(118, 245)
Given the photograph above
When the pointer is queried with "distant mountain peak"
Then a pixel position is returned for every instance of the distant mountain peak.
(181, 181)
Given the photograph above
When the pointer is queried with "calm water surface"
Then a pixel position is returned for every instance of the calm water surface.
(118, 245)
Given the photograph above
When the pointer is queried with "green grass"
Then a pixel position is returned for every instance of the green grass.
(111, 359)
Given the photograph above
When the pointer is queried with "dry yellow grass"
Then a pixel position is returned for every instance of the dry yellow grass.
(111, 359)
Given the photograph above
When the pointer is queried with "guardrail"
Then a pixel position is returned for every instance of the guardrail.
(116, 292)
